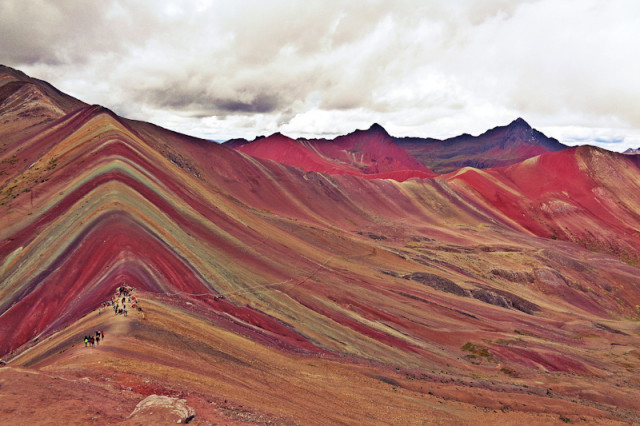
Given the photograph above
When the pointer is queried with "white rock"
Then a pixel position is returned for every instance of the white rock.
(165, 405)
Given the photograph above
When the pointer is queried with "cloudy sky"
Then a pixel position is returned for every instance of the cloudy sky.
(436, 68)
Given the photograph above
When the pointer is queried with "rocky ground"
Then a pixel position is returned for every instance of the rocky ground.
(227, 379)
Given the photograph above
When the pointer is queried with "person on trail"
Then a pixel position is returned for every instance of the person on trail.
(97, 340)
(92, 341)
(125, 312)
(86, 340)
(102, 335)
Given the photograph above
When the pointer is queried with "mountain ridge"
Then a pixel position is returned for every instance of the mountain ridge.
(448, 297)
(500, 146)
(368, 153)
(496, 147)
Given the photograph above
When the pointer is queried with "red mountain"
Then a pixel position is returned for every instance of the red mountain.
(367, 153)
(582, 211)
(497, 147)
(274, 294)
(373, 153)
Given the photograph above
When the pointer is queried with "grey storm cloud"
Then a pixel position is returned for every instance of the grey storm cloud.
(205, 104)
(432, 68)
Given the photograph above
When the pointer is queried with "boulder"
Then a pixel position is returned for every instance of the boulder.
(158, 409)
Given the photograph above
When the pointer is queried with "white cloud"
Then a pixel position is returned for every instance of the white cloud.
(221, 69)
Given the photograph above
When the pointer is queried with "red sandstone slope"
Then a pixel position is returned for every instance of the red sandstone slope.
(368, 153)
(285, 150)
(586, 195)
(371, 150)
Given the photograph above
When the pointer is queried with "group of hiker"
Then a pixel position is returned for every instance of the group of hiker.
(121, 301)
(92, 341)
(123, 296)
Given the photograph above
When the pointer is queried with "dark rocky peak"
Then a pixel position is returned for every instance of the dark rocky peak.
(520, 123)
(376, 128)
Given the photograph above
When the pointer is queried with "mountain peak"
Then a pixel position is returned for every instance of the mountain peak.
(519, 122)
(17, 74)
(376, 128)
(632, 151)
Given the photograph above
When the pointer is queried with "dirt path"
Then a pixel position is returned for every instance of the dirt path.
(114, 326)
(53, 388)
(65, 345)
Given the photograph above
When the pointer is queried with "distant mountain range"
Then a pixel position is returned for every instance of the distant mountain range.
(375, 152)
(366, 279)
(367, 153)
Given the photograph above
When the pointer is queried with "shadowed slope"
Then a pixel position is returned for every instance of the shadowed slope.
(497, 147)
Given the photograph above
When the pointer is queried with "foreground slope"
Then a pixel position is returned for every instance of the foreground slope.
(419, 299)
(179, 349)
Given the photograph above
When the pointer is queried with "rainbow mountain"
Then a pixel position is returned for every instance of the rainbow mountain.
(367, 278)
